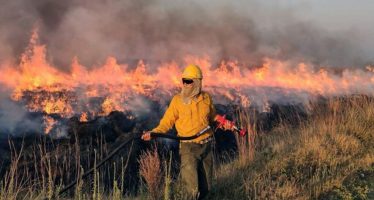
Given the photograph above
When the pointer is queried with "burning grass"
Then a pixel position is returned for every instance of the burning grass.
(91, 91)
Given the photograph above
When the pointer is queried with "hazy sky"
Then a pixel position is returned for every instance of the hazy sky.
(334, 14)
(355, 18)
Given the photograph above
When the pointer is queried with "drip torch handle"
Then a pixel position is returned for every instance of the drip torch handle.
(225, 123)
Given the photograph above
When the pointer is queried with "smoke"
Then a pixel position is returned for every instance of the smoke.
(162, 30)
(13, 117)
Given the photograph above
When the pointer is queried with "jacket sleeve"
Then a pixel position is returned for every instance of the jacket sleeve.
(168, 120)
(213, 113)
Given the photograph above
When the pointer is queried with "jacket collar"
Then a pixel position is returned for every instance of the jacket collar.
(200, 97)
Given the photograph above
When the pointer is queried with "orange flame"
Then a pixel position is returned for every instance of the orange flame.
(49, 122)
(50, 90)
(83, 117)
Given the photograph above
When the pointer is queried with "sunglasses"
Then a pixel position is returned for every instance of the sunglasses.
(187, 81)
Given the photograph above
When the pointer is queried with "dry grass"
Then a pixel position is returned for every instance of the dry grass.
(246, 144)
(36, 172)
(328, 156)
(309, 161)
(150, 170)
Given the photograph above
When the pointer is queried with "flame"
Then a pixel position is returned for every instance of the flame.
(49, 123)
(83, 117)
(91, 92)
(110, 105)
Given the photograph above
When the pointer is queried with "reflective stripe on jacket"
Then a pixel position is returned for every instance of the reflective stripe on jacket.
(188, 119)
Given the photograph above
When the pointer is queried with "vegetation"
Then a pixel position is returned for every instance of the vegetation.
(329, 155)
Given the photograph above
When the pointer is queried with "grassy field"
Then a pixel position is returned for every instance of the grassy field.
(330, 155)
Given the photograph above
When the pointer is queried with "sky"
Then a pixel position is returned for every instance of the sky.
(349, 16)
(334, 14)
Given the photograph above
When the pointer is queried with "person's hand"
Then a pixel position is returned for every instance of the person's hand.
(146, 136)
(228, 126)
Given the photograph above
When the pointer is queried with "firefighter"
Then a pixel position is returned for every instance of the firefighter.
(190, 111)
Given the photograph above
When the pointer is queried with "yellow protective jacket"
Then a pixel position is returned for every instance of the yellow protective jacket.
(188, 119)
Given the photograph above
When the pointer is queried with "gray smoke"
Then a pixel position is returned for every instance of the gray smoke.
(13, 117)
(162, 30)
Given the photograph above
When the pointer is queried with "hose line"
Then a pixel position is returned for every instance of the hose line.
(123, 144)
